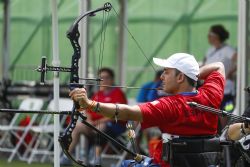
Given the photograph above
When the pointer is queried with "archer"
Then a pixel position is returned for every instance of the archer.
(171, 113)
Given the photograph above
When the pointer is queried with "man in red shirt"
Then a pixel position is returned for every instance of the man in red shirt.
(171, 113)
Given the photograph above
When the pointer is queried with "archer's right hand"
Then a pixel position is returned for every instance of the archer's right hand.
(80, 95)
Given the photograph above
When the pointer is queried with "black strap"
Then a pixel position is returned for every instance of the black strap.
(184, 145)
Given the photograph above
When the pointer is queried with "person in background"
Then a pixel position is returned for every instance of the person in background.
(237, 130)
(106, 95)
(239, 133)
(220, 51)
(146, 95)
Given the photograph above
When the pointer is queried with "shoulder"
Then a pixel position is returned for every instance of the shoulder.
(214, 74)
(157, 111)
(119, 95)
(172, 102)
(215, 78)
(117, 90)
(209, 51)
(96, 94)
(213, 87)
(229, 50)
(159, 103)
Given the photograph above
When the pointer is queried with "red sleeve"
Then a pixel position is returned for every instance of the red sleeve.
(157, 112)
(213, 88)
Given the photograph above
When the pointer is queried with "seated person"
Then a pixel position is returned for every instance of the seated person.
(238, 130)
(220, 51)
(106, 95)
(239, 133)
(172, 114)
(145, 94)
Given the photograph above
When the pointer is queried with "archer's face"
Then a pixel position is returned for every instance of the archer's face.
(107, 80)
(169, 81)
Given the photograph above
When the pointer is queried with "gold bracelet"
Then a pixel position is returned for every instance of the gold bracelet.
(91, 105)
(82, 106)
(97, 107)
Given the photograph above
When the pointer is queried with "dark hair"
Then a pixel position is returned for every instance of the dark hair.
(191, 82)
(158, 74)
(108, 70)
(219, 30)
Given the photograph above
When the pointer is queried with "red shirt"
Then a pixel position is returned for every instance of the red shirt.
(172, 114)
(113, 96)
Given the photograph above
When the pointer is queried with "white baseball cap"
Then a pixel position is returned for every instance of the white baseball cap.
(183, 62)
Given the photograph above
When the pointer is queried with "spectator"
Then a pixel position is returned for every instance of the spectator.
(220, 51)
(106, 95)
(238, 130)
(145, 94)
(239, 133)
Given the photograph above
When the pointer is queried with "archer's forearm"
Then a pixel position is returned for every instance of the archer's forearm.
(234, 131)
(124, 112)
(209, 68)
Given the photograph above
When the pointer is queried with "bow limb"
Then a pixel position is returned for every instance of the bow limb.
(73, 34)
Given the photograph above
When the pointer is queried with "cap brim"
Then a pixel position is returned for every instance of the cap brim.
(161, 62)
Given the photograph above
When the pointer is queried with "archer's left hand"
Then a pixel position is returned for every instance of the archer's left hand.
(80, 95)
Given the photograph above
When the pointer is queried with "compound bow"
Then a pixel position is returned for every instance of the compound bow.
(65, 139)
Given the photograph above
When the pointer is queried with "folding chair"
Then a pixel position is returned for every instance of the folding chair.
(18, 132)
(43, 144)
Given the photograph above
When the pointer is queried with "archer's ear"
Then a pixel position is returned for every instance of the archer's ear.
(181, 78)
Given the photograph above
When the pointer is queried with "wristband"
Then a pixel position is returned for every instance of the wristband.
(97, 107)
(242, 129)
(246, 124)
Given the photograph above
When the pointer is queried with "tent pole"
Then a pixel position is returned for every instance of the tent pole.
(6, 40)
(55, 62)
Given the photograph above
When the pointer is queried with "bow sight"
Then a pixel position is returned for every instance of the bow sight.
(44, 68)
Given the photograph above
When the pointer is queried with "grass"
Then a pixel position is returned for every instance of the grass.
(15, 163)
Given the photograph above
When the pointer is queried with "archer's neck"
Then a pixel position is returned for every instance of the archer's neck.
(185, 89)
